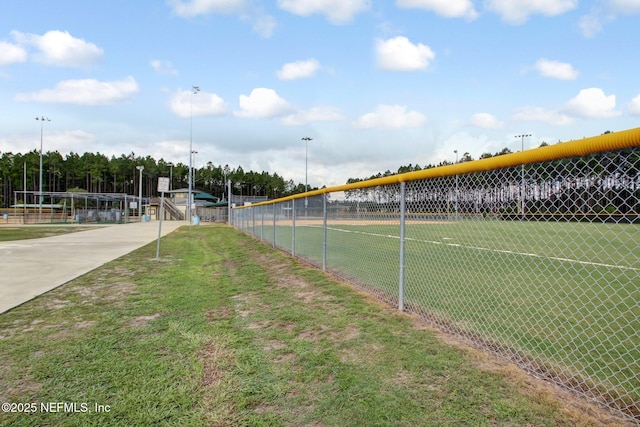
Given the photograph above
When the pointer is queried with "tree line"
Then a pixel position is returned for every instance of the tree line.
(600, 184)
(97, 173)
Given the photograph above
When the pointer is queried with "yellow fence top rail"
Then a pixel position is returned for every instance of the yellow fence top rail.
(577, 148)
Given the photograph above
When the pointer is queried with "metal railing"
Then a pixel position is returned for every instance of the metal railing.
(533, 256)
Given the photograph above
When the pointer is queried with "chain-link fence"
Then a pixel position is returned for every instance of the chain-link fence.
(538, 263)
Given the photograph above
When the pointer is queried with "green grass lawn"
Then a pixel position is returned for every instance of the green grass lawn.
(225, 331)
(8, 233)
(562, 297)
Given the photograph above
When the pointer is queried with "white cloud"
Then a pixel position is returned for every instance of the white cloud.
(593, 23)
(59, 48)
(163, 67)
(446, 8)
(84, 92)
(590, 24)
(592, 103)
(298, 69)
(486, 121)
(541, 115)
(263, 24)
(338, 12)
(556, 69)
(11, 54)
(203, 7)
(624, 6)
(391, 117)
(518, 11)
(72, 140)
(185, 103)
(634, 106)
(262, 103)
(316, 114)
(399, 54)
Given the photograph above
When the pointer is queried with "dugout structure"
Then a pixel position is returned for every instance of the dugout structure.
(534, 256)
(78, 207)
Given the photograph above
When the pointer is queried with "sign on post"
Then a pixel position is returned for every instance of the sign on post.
(163, 185)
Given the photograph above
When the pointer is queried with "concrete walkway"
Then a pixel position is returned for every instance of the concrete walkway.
(29, 268)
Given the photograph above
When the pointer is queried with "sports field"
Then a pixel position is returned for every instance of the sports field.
(560, 298)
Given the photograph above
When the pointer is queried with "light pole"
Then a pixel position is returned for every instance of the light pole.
(171, 165)
(306, 140)
(140, 168)
(42, 120)
(194, 91)
(522, 137)
(193, 179)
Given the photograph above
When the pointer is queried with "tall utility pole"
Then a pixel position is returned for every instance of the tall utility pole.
(140, 168)
(193, 179)
(171, 165)
(42, 120)
(522, 137)
(306, 140)
(194, 91)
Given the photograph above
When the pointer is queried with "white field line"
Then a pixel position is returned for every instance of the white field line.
(457, 245)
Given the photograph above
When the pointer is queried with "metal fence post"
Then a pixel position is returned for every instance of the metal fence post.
(274, 225)
(293, 227)
(262, 222)
(253, 221)
(402, 260)
(324, 231)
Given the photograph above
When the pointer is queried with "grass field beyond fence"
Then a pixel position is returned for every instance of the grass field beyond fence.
(225, 331)
(560, 298)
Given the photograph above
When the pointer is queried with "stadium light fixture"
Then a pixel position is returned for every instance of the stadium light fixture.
(42, 119)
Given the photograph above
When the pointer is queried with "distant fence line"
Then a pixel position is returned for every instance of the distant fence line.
(534, 256)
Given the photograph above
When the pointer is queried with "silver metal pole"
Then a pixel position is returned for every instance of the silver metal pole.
(402, 258)
(293, 227)
(140, 168)
(306, 140)
(41, 119)
(324, 232)
(40, 181)
(456, 151)
(274, 225)
(160, 226)
(522, 137)
(229, 203)
(24, 196)
(194, 91)
(262, 222)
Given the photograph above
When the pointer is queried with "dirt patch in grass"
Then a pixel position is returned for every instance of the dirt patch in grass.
(25, 385)
(211, 355)
(55, 304)
(222, 313)
(274, 345)
(118, 291)
(142, 321)
(84, 324)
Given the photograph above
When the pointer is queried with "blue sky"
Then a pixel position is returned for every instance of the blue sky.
(376, 84)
